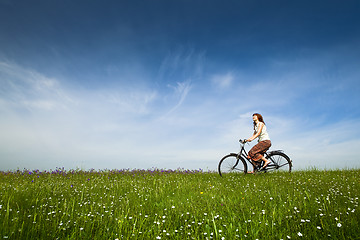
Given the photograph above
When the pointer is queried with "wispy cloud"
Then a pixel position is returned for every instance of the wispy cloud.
(223, 81)
(179, 71)
(181, 65)
(131, 101)
(181, 90)
(27, 88)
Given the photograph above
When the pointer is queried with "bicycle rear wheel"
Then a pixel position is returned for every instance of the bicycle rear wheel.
(232, 164)
(279, 162)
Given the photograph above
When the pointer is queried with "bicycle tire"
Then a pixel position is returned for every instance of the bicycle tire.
(279, 162)
(231, 163)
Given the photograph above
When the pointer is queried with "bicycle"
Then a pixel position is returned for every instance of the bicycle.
(236, 162)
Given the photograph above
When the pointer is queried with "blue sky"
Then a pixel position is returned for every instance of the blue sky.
(173, 84)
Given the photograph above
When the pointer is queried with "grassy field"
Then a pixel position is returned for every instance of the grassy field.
(181, 204)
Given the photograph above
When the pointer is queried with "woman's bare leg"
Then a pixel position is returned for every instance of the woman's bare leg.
(266, 162)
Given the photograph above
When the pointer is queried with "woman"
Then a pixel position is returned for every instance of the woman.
(257, 152)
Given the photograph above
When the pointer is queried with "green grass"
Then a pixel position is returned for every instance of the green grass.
(159, 204)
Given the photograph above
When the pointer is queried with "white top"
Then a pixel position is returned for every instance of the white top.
(263, 135)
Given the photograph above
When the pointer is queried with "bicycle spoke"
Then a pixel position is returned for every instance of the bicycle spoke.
(231, 164)
(283, 165)
(280, 162)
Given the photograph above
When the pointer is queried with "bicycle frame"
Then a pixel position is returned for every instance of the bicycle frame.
(257, 166)
(244, 154)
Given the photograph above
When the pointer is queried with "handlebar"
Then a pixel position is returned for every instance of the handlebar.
(242, 141)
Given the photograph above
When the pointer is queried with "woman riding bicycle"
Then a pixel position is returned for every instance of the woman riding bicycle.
(257, 152)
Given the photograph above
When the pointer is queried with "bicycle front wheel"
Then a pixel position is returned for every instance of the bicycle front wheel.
(279, 162)
(232, 164)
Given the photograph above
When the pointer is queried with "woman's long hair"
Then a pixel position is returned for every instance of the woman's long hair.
(260, 118)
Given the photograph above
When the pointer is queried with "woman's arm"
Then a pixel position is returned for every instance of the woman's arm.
(256, 134)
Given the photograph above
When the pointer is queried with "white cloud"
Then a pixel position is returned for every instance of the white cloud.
(131, 101)
(185, 63)
(27, 88)
(223, 81)
(46, 125)
(181, 90)
(321, 146)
